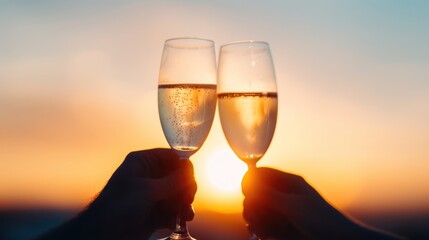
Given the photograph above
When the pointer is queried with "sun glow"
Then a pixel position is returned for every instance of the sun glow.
(219, 181)
(225, 171)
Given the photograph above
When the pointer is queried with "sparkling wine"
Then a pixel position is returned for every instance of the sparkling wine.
(248, 122)
(186, 112)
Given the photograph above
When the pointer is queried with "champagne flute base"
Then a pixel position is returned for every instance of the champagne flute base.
(254, 237)
(179, 236)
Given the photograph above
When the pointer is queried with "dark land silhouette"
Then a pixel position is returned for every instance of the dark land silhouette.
(22, 224)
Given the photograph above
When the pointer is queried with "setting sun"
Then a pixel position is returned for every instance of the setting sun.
(219, 175)
(225, 171)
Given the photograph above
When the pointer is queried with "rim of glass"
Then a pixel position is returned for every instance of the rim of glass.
(179, 42)
(263, 44)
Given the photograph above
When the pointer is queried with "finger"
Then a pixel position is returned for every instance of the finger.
(281, 181)
(267, 223)
(164, 214)
(285, 182)
(166, 158)
(188, 213)
(189, 194)
(181, 180)
(260, 219)
(291, 205)
(249, 210)
(153, 163)
(254, 212)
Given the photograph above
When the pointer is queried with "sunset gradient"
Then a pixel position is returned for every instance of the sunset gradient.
(78, 91)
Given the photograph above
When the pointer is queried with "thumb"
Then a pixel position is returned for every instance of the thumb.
(278, 180)
(258, 187)
(170, 185)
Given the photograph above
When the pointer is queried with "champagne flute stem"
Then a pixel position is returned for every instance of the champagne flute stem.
(181, 231)
(181, 226)
(252, 166)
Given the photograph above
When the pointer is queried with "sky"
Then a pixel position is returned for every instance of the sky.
(78, 91)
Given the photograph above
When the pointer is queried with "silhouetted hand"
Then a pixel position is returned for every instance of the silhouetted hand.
(280, 205)
(144, 194)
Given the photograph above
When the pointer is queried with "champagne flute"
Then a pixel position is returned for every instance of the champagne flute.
(186, 100)
(247, 96)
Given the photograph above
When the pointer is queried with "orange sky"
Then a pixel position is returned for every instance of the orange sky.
(78, 92)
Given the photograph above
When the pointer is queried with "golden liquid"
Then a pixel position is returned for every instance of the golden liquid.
(248, 122)
(186, 112)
